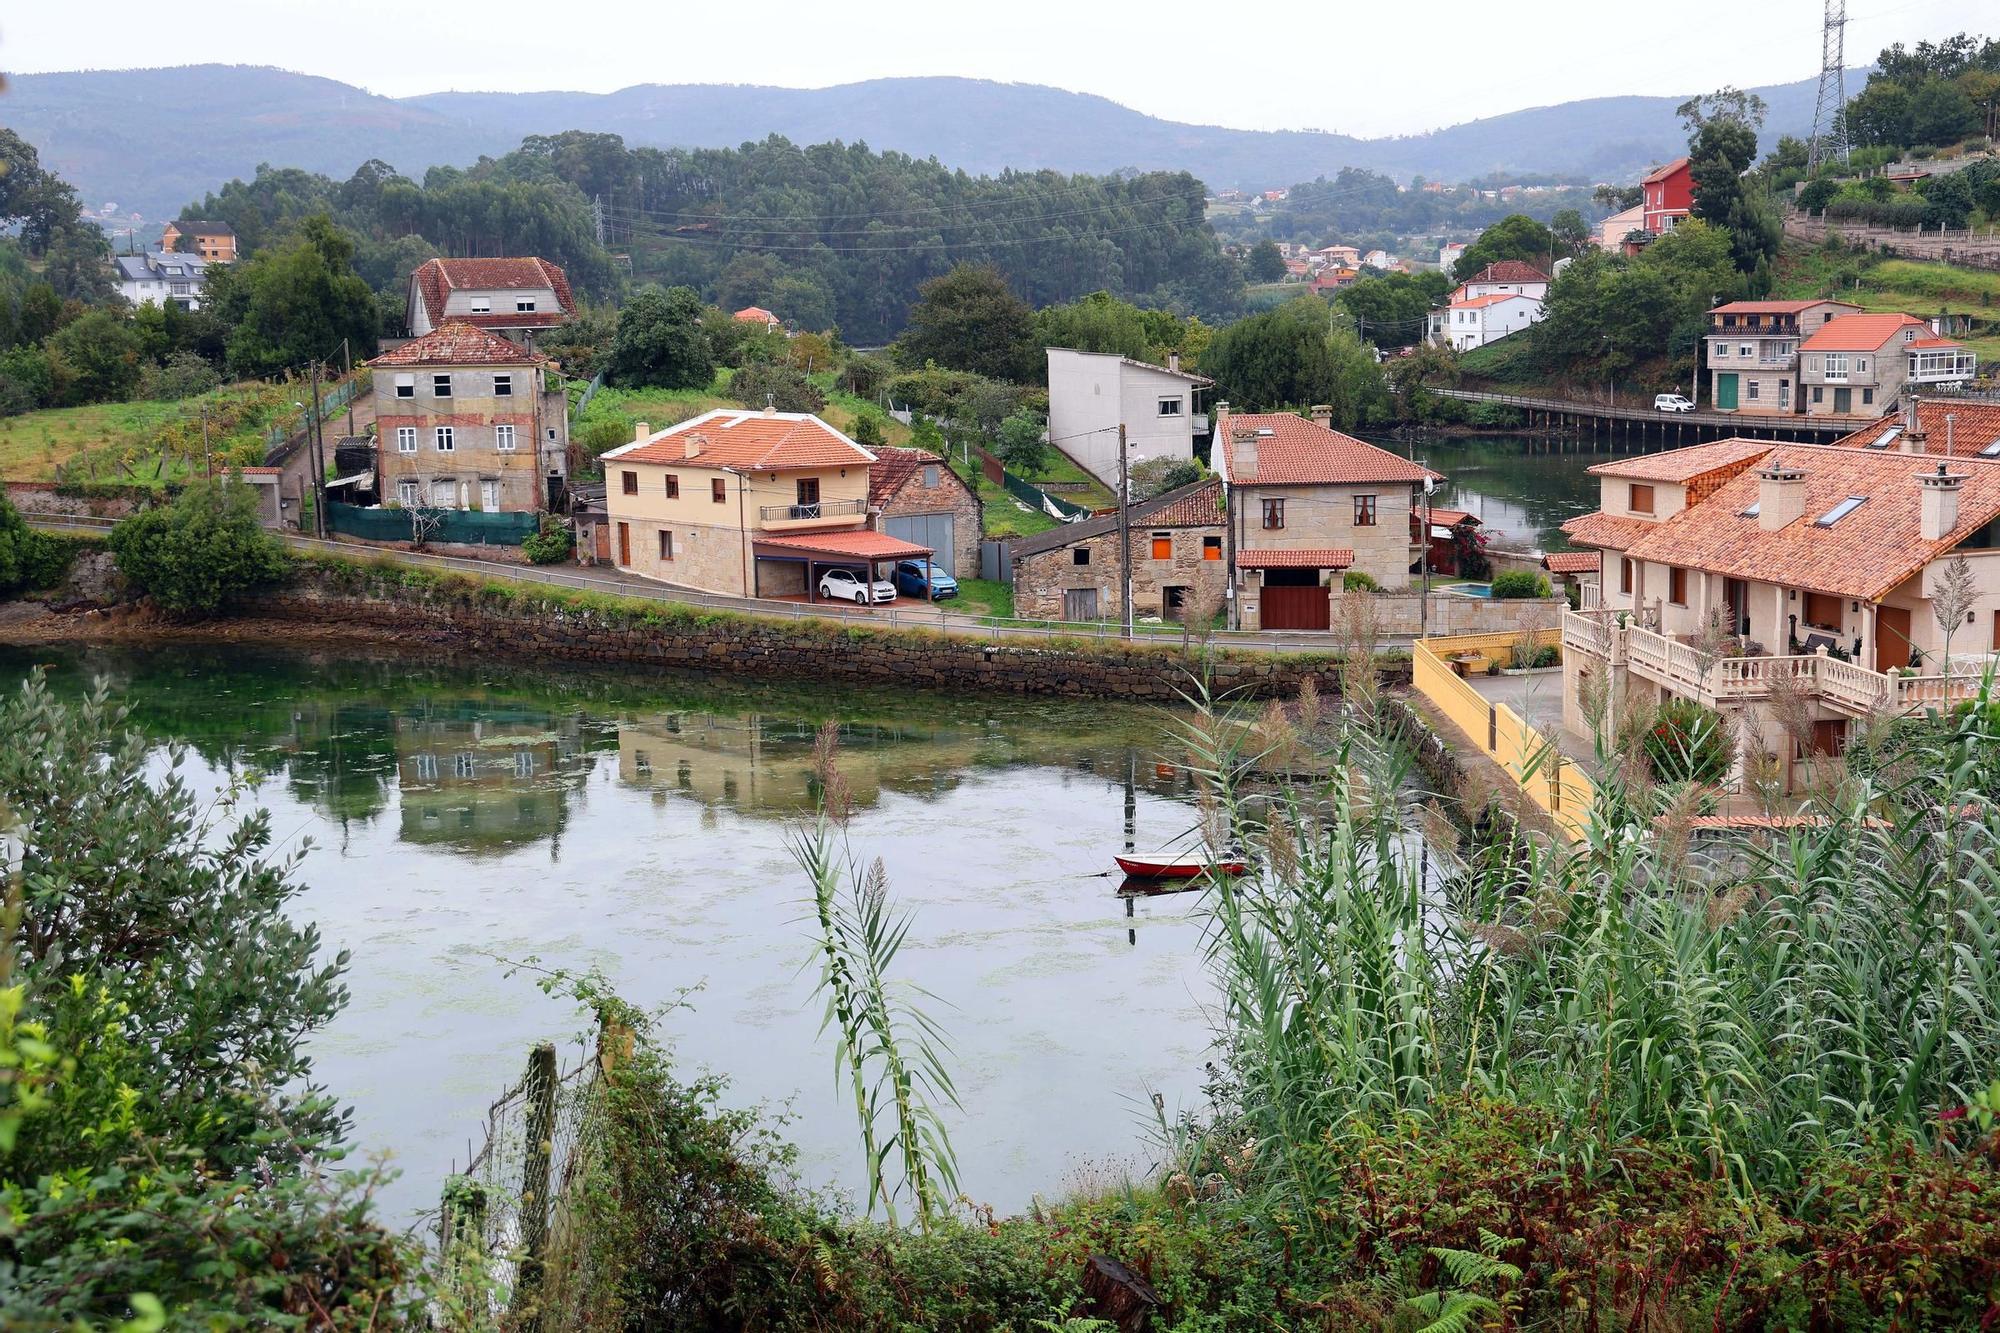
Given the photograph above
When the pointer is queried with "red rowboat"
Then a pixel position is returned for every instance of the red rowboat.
(1167, 865)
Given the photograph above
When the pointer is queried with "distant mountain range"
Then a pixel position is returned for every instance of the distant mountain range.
(152, 140)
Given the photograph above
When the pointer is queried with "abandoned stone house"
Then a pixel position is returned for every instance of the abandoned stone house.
(1073, 572)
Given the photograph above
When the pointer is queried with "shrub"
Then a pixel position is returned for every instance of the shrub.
(29, 559)
(551, 545)
(1358, 580)
(868, 430)
(1688, 743)
(1520, 583)
(184, 375)
(769, 384)
(202, 553)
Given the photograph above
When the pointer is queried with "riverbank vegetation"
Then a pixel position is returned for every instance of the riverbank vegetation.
(1643, 1081)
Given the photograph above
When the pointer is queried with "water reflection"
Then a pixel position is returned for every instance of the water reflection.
(1523, 488)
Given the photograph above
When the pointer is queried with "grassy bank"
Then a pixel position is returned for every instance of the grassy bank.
(1909, 286)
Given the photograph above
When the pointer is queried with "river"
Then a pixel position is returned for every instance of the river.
(1523, 488)
(460, 815)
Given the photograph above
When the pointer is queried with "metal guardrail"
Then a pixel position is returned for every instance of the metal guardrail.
(819, 509)
(933, 617)
(1841, 425)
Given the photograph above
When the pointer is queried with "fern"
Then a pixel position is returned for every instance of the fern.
(1452, 1311)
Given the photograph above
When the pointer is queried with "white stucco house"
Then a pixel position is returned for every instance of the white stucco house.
(161, 276)
(1478, 320)
(1092, 393)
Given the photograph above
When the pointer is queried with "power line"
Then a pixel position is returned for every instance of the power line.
(634, 217)
(728, 243)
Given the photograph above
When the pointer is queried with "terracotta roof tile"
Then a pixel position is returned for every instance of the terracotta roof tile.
(1298, 452)
(1196, 505)
(1573, 562)
(1775, 307)
(1933, 342)
(1324, 557)
(436, 279)
(1509, 270)
(740, 441)
(893, 468)
(459, 344)
(861, 544)
(1684, 465)
(1662, 172)
(1449, 518)
(1607, 530)
(1973, 426)
(1859, 333)
(1864, 555)
(1491, 298)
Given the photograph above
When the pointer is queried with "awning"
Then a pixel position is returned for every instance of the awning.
(357, 479)
(1326, 557)
(863, 544)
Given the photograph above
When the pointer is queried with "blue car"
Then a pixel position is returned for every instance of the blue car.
(912, 580)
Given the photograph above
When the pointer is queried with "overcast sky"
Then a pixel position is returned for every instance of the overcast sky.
(1373, 69)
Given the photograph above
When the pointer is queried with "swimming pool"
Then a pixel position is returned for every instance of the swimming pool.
(1469, 589)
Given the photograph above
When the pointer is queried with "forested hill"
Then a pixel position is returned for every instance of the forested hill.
(98, 129)
(826, 236)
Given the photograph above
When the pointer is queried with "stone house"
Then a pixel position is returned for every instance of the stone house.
(747, 504)
(1753, 351)
(516, 297)
(1858, 364)
(1817, 563)
(1306, 503)
(920, 499)
(466, 419)
(1073, 572)
(211, 242)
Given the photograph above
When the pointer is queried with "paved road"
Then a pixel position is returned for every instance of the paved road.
(614, 581)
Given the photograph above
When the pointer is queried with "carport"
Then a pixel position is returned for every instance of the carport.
(821, 551)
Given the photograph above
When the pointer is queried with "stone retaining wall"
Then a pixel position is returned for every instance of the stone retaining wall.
(515, 623)
(40, 497)
(1398, 613)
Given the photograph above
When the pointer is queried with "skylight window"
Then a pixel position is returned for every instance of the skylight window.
(1839, 511)
(1888, 438)
(1755, 507)
(1992, 450)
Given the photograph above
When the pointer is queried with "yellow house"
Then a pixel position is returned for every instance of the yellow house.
(748, 504)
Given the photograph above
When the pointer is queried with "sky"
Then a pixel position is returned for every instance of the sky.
(1355, 69)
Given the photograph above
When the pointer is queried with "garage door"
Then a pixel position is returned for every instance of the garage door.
(932, 530)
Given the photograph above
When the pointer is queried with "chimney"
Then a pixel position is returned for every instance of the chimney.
(770, 405)
(1940, 511)
(1781, 495)
(1173, 360)
(1913, 440)
(1322, 415)
(640, 430)
(1243, 455)
(694, 445)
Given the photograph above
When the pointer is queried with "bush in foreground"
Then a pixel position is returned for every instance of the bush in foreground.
(202, 553)
(29, 559)
(551, 544)
(1517, 584)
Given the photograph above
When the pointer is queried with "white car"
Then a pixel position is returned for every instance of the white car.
(846, 585)
(1671, 402)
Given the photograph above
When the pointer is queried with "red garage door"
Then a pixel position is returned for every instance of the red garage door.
(1296, 608)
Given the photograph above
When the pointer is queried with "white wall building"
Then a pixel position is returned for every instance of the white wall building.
(161, 276)
(1475, 321)
(1092, 393)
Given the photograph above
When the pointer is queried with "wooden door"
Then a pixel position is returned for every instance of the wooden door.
(1080, 604)
(1892, 637)
(1843, 401)
(624, 543)
(1296, 608)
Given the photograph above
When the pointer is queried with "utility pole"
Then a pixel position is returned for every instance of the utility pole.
(316, 460)
(347, 362)
(207, 458)
(1124, 536)
(1424, 602)
(597, 217)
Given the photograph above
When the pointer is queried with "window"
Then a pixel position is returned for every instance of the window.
(407, 492)
(427, 767)
(1639, 499)
(1163, 546)
(1170, 407)
(503, 439)
(673, 487)
(482, 305)
(1677, 585)
(930, 477)
(1756, 508)
(1364, 511)
(443, 439)
(1860, 365)
(525, 304)
(1867, 397)
(1819, 394)
(1751, 388)
(503, 386)
(1822, 611)
(1992, 450)
(1839, 511)
(489, 495)
(440, 386)
(1745, 350)
(1836, 365)
(628, 482)
(1079, 555)
(1722, 351)
(461, 764)
(718, 491)
(666, 544)
(406, 439)
(1885, 439)
(444, 493)
(406, 386)
(1624, 574)
(1211, 548)
(808, 492)
(1274, 515)
(524, 763)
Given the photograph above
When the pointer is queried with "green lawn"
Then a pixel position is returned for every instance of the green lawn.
(91, 440)
(1061, 467)
(1906, 285)
(984, 597)
(1005, 516)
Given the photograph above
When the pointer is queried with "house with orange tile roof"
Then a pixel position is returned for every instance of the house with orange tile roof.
(756, 314)
(747, 504)
(1305, 504)
(920, 499)
(1728, 565)
(1858, 364)
(515, 297)
(468, 419)
(1753, 352)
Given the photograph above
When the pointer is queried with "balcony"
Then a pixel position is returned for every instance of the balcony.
(811, 517)
(1753, 326)
(1943, 367)
(1724, 681)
